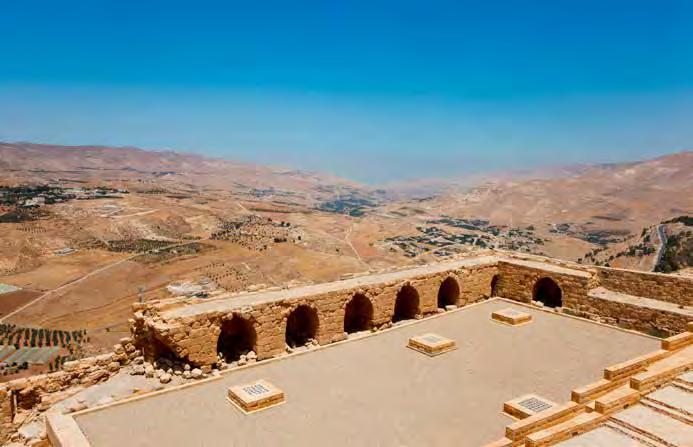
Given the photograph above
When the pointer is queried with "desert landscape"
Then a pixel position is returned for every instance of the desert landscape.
(348, 224)
(88, 231)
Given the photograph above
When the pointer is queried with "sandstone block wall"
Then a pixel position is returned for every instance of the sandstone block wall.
(40, 392)
(194, 338)
(657, 322)
(673, 289)
(517, 282)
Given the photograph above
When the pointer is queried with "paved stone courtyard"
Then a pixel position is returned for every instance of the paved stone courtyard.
(375, 391)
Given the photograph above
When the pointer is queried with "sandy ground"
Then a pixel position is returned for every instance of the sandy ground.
(375, 391)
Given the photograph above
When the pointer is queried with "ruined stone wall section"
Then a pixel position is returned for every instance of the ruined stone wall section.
(6, 414)
(669, 288)
(195, 338)
(41, 391)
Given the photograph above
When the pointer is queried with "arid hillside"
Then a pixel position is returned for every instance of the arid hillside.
(26, 162)
(87, 231)
(624, 196)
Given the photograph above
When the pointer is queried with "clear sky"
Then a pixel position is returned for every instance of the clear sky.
(371, 90)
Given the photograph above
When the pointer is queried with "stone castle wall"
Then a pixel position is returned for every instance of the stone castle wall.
(647, 319)
(194, 338)
(190, 329)
(658, 286)
(516, 281)
(41, 391)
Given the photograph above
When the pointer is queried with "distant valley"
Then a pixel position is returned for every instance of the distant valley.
(89, 230)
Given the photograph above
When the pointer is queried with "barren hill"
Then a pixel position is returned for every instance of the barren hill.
(628, 196)
(28, 162)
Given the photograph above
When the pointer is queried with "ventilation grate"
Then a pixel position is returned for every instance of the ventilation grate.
(431, 344)
(534, 404)
(527, 405)
(255, 396)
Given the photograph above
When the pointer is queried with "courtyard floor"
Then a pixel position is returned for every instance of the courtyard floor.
(375, 391)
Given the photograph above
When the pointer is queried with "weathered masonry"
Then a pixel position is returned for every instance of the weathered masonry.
(267, 322)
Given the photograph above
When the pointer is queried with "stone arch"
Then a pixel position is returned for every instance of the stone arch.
(547, 291)
(237, 337)
(358, 314)
(406, 304)
(494, 285)
(159, 350)
(301, 326)
(448, 292)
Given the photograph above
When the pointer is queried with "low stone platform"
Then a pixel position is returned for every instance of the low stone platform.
(527, 405)
(431, 344)
(512, 317)
(255, 396)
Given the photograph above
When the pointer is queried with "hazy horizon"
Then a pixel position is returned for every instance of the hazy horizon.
(373, 91)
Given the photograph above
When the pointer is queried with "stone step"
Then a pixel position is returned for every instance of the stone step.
(667, 410)
(635, 365)
(594, 390)
(540, 421)
(686, 386)
(678, 341)
(616, 400)
(686, 378)
(661, 373)
(655, 426)
(565, 430)
(636, 436)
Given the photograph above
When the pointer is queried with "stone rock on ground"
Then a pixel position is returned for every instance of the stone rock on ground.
(33, 430)
(196, 373)
(165, 378)
(137, 370)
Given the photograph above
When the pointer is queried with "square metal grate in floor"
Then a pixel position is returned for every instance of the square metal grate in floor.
(534, 404)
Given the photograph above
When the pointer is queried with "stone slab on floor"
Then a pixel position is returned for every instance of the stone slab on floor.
(601, 437)
(674, 397)
(663, 427)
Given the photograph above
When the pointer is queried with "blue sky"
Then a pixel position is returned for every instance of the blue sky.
(374, 91)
